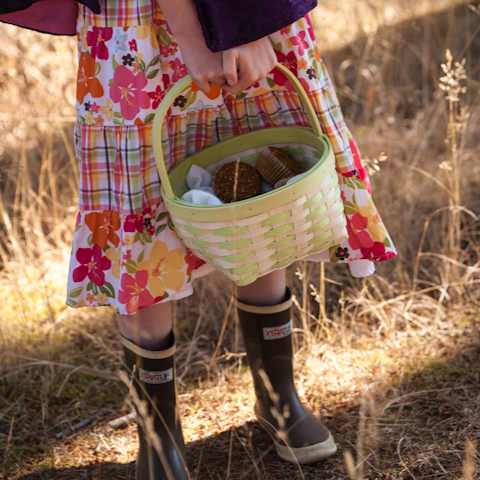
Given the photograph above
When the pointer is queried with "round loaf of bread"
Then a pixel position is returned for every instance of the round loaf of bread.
(236, 181)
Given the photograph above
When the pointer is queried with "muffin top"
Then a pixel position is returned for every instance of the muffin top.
(274, 164)
(236, 181)
(286, 159)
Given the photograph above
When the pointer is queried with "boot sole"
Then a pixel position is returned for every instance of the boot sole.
(303, 455)
(307, 455)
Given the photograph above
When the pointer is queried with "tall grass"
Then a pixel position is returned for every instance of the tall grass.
(388, 362)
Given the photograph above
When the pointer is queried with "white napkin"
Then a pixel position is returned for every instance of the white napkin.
(201, 191)
(200, 197)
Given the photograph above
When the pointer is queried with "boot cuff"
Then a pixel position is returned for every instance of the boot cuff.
(141, 352)
(266, 309)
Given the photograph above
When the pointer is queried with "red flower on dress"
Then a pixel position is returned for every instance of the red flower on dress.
(376, 252)
(96, 39)
(133, 291)
(179, 70)
(86, 80)
(133, 45)
(156, 96)
(92, 265)
(165, 50)
(358, 236)
(127, 89)
(104, 225)
(361, 170)
(192, 261)
(289, 61)
(133, 223)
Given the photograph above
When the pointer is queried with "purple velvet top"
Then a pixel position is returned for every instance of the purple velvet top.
(229, 23)
(225, 23)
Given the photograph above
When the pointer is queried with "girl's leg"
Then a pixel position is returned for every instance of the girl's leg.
(149, 328)
(267, 290)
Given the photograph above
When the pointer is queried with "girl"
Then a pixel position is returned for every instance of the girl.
(125, 251)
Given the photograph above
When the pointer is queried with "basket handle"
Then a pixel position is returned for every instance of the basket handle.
(170, 97)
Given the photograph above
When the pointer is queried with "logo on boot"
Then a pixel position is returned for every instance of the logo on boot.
(273, 333)
(155, 377)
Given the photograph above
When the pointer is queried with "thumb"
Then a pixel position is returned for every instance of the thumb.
(230, 67)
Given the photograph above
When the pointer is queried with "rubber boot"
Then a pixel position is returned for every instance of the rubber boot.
(298, 435)
(155, 383)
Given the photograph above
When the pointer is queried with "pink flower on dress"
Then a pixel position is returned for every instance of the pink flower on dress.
(96, 39)
(156, 96)
(358, 235)
(310, 28)
(127, 89)
(94, 107)
(300, 41)
(179, 70)
(92, 265)
(133, 291)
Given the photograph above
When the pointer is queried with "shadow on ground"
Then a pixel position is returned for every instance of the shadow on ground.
(419, 433)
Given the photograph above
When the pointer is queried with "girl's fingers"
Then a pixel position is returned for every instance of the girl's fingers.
(230, 67)
(252, 63)
(202, 85)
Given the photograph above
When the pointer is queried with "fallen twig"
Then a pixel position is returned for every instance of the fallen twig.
(78, 426)
(121, 421)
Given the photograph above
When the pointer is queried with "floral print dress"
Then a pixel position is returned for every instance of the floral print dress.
(125, 250)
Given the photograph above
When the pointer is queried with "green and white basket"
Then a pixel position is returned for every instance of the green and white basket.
(248, 239)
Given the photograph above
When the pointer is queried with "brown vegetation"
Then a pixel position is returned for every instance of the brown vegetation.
(390, 363)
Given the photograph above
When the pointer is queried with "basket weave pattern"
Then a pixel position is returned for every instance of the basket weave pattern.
(247, 248)
(248, 239)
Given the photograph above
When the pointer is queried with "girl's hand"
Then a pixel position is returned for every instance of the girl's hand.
(204, 66)
(247, 64)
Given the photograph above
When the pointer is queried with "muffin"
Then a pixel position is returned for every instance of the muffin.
(283, 181)
(275, 164)
(236, 181)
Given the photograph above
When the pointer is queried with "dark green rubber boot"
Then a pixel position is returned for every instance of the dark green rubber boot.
(155, 383)
(298, 435)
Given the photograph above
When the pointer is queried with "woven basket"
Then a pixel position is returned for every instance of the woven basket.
(247, 239)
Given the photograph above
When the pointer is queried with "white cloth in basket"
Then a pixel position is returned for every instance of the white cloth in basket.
(201, 191)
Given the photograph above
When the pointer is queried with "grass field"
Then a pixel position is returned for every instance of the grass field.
(390, 363)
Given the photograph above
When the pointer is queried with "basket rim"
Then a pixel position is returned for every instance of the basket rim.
(261, 203)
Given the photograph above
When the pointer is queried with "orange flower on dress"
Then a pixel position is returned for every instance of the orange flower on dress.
(90, 298)
(108, 110)
(214, 92)
(114, 255)
(86, 81)
(104, 225)
(302, 64)
(165, 269)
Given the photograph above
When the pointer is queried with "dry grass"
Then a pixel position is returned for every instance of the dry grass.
(390, 363)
